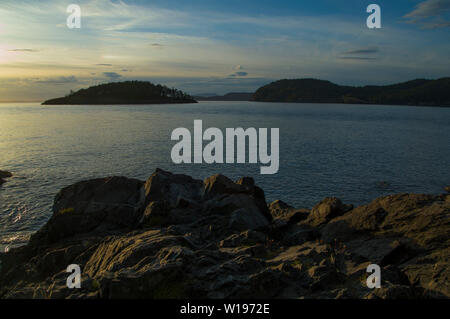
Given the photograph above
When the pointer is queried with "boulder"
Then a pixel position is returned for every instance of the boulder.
(298, 235)
(219, 185)
(97, 206)
(326, 210)
(243, 219)
(422, 218)
(279, 208)
(172, 188)
(286, 213)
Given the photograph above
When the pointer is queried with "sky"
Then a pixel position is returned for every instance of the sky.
(208, 46)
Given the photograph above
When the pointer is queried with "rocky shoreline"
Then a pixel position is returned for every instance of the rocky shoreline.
(177, 237)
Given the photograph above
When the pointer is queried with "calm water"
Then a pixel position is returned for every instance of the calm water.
(354, 152)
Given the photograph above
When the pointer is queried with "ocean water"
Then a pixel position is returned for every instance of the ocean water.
(354, 152)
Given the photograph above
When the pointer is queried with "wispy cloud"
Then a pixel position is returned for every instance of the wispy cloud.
(430, 14)
(58, 80)
(363, 51)
(356, 58)
(23, 50)
(112, 75)
(364, 54)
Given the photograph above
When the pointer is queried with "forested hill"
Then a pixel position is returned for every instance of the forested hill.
(130, 92)
(416, 92)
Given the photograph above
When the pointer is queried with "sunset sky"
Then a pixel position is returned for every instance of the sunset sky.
(206, 46)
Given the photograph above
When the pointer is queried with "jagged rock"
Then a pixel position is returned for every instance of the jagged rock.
(287, 214)
(177, 237)
(279, 209)
(219, 185)
(421, 222)
(97, 206)
(327, 209)
(298, 235)
(246, 238)
(170, 187)
(423, 218)
(155, 214)
(242, 219)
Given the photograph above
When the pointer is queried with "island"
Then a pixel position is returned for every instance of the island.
(128, 92)
(419, 92)
(177, 237)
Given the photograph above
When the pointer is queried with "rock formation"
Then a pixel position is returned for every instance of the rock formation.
(177, 237)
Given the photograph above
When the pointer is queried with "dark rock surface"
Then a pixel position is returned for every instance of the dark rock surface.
(176, 237)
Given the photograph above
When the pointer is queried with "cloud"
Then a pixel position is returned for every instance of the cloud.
(23, 50)
(363, 51)
(356, 58)
(112, 75)
(364, 54)
(238, 67)
(104, 64)
(238, 74)
(58, 80)
(430, 14)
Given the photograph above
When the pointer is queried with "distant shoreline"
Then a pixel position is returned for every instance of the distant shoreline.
(419, 92)
(346, 103)
(328, 103)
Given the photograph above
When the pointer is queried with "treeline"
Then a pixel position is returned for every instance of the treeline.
(129, 92)
(416, 92)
